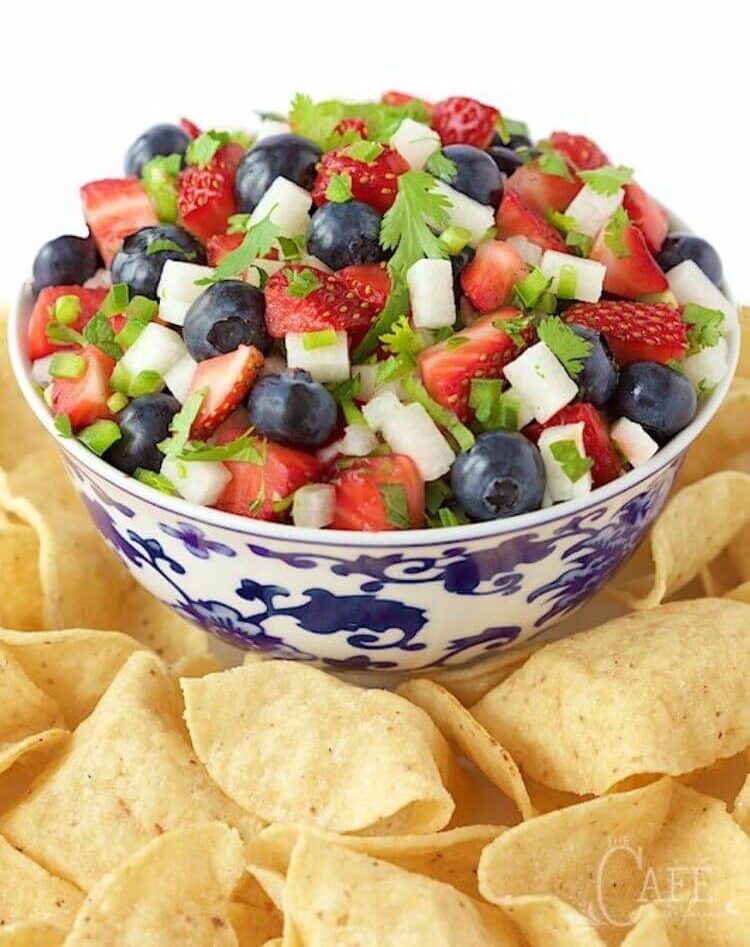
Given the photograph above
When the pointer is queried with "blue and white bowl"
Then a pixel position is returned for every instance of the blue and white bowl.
(394, 601)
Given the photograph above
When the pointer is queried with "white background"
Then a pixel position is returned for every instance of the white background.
(661, 86)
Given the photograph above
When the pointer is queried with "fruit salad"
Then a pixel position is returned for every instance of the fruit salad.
(375, 316)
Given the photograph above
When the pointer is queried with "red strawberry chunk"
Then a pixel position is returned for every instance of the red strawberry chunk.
(114, 208)
(404, 98)
(373, 182)
(489, 279)
(447, 368)
(190, 127)
(582, 153)
(515, 219)
(647, 215)
(359, 501)
(542, 192)
(633, 275)
(84, 399)
(596, 439)
(41, 316)
(369, 282)
(352, 125)
(220, 244)
(635, 331)
(228, 379)
(463, 121)
(207, 200)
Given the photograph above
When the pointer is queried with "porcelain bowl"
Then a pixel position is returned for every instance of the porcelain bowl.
(348, 601)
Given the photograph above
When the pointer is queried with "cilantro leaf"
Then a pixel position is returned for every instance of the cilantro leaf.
(182, 423)
(292, 248)
(157, 246)
(395, 503)
(553, 162)
(567, 347)
(98, 331)
(614, 233)
(514, 328)
(442, 167)
(406, 227)
(580, 242)
(440, 415)
(202, 149)
(257, 243)
(364, 151)
(573, 464)
(493, 408)
(301, 283)
(396, 306)
(156, 481)
(318, 121)
(607, 180)
(402, 338)
(238, 223)
(339, 189)
(705, 327)
(63, 335)
(244, 448)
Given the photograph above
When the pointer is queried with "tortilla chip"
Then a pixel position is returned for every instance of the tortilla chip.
(127, 775)
(293, 744)
(339, 898)
(20, 590)
(742, 802)
(725, 436)
(253, 928)
(174, 890)
(24, 708)
(722, 922)
(649, 931)
(743, 366)
(31, 935)
(196, 665)
(11, 753)
(549, 922)
(29, 893)
(654, 693)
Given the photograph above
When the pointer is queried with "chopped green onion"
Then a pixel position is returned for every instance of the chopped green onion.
(493, 408)
(66, 309)
(146, 383)
(120, 379)
(156, 480)
(63, 426)
(351, 412)
(100, 436)
(159, 177)
(455, 239)
(365, 151)
(116, 300)
(436, 493)
(573, 464)
(238, 223)
(117, 402)
(143, 308)
(130, 332)
(567, 282)
(339, 189)
(440, 415)
(67, 366)
(448, 517)
(319, 340)
(301, 283)
(531, 288)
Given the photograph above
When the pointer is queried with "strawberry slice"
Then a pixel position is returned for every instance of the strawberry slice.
(632, 275)
(581, 152)
(190, 127)
(515, 219)
(647, 215)
(596, 439)
(358, 125)
(542, 192)
(404, 98)
(220, 244)
(489, 279)
(207, 200)
(636, 332)
(369, 282)
(463, 121)
(84, 399)
(360, 503)
(114, 208)
(41, 316)
(228, 379)
(373, 182)
(482, 352)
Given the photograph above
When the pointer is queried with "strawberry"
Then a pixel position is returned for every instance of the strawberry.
(352, 125)
(41, 315)
(483, 352)
(373, 182)
(114, 208)
(220, 244)
(647, 215)
(632, 275)
(344, 300)
(489, 279)
(514, 218)
(635, 332)
(228, 379)
(596, 439)
(542, 192)
(190, 127)
(369, 282)
(581, 152)
(207, 199)
(359, 502)
(404, 98)
(84, 399)
(463, 121)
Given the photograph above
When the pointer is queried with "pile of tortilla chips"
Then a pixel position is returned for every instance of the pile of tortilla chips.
(589, 792)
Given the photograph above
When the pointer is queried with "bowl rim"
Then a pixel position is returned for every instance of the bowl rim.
(426, 536)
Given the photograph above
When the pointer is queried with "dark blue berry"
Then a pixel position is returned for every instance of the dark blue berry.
(293, 409)
(141, 270)
(225, 316)
(684, 246)
(514, 142)
(502, 475)
(345, 235)
(598, 378)
(458, 262)
(658, 398)
(65, 260)
(477, 175)
(289, 156)
(143, 424)
(506, 159)
(158, 140)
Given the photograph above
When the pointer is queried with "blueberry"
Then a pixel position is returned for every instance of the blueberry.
(598, 378)
(502, 475)
(65, 260)
(514, 142)
(225, 316)
(141, 270)
(291, 408)
(477, 174)
(286, 155)
(143, 424)
(458, 262)
(658, 398)
(158, 140)
(684, 246)
(345, 235)
(506, 159)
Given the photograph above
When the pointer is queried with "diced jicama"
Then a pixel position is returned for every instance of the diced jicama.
(271, 126)
(252, 276)
(430, 283)
(289, 206)
(313, 505)
(415, 142)
(324, 362)
(708, 367)
(466, 212)
(592, 210)
(368, 386)
(173, 311)
(200, 482)
(525, 410)
(411, 431)
(40, 370)
(358, 441)
(379, 408)
(540, 381)
(560, 486)
(584, 278)
(529, 252)
(635, 444)
(307, 259)
(179, 376)
(179, 281)
(690, 284)
(157, 349)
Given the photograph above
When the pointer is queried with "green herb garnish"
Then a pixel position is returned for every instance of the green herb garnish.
(705, 327)
(614, 233)
(301, 282)
(396, 505)
(339, 189)
(565, 345)
(573, 464)
(531, 289)
(319, 340)
(160, 246)
(408, 227)
(442, 167)
(416, 391)
(156, 481)
(160, 182)
(607, 180)
(256, 244)
(98, 331)
(100, 436)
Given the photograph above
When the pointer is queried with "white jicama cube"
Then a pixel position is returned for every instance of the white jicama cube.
(368, 386)
(252, 276)
(559, 484)
(415, 142)
(179, 377)
(589, 274)
(430, 283)
(591, 210)
(466, 212)
(358, 441)
(157, 349)
(314, 505)
(40, 370)
(288, 204)
(269, 127)
(381, 406)
(325, 363)
(690, 284)
(307, 259)
(178, 281)
(540, 381)
(198, 481)
(529, 251)
(329, 453)
(173, 311)
(709, 366)
(525, 410)
(411, 431)
(634, 443)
